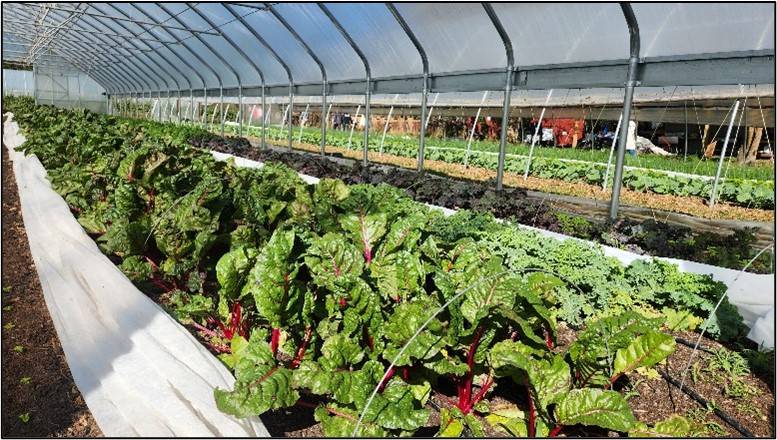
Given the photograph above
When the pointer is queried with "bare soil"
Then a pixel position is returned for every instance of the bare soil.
(36, 381)
(658, 399)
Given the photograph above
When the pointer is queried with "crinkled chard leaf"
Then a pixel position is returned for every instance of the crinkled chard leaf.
(261, 384)
(272, 281)
(595, 407)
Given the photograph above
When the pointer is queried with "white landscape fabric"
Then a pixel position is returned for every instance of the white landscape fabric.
(140, 372)
(752, 294)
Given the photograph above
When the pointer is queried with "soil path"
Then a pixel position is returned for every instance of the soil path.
(36, 382)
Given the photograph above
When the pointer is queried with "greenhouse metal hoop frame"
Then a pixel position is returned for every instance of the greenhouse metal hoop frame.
(741, 67)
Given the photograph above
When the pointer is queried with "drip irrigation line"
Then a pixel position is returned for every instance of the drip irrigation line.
(688, 343)
(701, 400)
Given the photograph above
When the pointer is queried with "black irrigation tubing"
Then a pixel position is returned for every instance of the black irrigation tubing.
(692, 345)
(701, 400)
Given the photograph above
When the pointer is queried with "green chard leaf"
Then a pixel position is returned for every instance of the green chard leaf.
(272, 281)
(261, 384)
(644, 351)
(595, 407)
(365, 230)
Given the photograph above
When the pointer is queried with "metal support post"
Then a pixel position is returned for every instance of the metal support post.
(367, 74)
(631, 82)
(424, 90)
(685, 110)
(323, 121)
(221, 104)
(508, 89)
(240, 111)
(422, 135)
(265, 115)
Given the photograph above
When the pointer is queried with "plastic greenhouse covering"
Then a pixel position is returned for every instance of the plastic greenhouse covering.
(143, 47)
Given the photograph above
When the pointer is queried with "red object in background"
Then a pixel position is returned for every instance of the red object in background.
(564, 130)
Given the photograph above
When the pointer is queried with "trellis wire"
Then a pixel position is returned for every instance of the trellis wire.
(736, 135)
(712, 313)
(538, 129)
(763, 119)
(720, 126)
(723, 154)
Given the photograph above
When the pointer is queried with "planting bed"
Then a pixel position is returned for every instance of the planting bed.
(40, 398)
(319, 296)
(694, 206)
(650, 237)
(746, 193)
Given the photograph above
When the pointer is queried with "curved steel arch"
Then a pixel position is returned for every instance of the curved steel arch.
(113, 81)
(425, 90)
(106, 82)
(155, 50)
(100, 77)
(130, 76)
(631, 82)
(183, 60)
(115, 40)
(321, 67)
(508, 88)
(239, 51)
(213, 51)
(368, 75)
(136, 45)
(277, 57)
(199, 58)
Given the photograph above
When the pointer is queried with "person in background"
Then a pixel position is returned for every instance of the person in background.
(346, 121)
(337, 121)
(631, 140)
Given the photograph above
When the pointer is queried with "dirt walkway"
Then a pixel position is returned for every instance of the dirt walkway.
(39, 397)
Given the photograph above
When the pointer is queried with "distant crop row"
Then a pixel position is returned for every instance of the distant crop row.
(741, 192)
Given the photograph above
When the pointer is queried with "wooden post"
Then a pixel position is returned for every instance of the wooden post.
(752, 149)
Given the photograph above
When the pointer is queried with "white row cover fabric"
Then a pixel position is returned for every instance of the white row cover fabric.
(140, 372)
(752, 294)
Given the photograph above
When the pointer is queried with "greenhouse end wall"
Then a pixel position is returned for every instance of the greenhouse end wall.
(62, 89)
